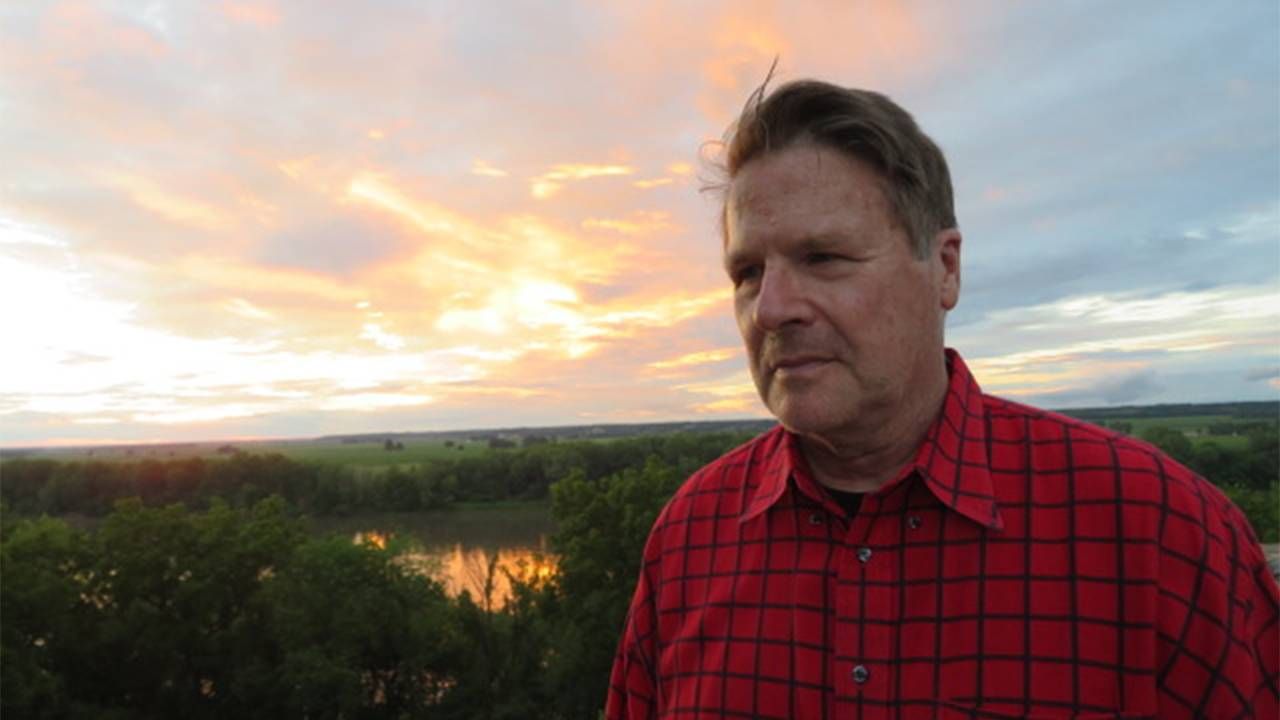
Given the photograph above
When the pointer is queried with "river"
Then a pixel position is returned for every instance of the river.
(456, 546)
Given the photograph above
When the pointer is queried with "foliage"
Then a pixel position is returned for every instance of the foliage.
(1261, 506)
(41, 561)
(39, 486)
(1173, 442)
(602, 525)
(350, 633)
(1250, 477)
(232, 609)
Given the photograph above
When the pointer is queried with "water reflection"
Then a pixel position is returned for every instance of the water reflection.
(458, 547)
(485, 573)
(469, 569)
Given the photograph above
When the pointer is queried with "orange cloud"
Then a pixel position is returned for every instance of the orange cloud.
(258, 15)
(166, 203)
(643, 223)
(549, 183)
(656, 182)
(480, 167)
(82, 30)
(697, 358)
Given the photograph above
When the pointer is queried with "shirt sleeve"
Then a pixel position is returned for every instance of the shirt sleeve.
(633, 685)
(1218, 629)
(1264, 632)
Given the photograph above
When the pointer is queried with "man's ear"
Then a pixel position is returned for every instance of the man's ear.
(946, 250)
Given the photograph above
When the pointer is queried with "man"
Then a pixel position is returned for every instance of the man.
(903, 545)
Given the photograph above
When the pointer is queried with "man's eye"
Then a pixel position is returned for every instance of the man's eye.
(819, 258)
(745, 274)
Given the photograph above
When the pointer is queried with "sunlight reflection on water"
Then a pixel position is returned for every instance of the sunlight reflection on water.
(462, 568)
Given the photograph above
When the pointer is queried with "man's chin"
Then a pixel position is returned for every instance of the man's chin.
(805, 418)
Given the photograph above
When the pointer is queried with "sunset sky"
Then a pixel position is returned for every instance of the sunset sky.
(277, 219)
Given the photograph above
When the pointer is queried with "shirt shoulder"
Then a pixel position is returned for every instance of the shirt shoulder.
(1107, 468)
(720, 489)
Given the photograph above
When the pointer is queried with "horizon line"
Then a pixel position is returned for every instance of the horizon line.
(73, 444)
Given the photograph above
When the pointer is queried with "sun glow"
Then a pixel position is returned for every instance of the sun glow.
(244, 220)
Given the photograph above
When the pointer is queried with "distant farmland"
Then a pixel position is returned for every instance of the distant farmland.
(1221, 423)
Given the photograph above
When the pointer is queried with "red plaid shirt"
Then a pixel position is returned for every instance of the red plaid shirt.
(1025, 564)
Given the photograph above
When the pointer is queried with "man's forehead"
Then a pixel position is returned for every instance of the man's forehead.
(810, 168)
(803, 200)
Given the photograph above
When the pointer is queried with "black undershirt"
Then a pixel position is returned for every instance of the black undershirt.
(850, 501)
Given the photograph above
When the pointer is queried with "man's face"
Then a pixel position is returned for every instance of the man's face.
(840, 320)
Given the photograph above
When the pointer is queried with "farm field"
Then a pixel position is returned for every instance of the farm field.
(1225, 425)
(357, 454)
(1197, 428)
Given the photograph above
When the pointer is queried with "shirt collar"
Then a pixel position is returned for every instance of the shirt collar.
(952, 460)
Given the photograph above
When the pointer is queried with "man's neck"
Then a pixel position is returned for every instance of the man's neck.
(865, 458)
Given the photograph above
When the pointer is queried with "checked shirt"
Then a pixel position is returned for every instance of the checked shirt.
(1024, 565)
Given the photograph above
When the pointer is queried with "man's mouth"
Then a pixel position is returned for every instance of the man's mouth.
(799, 365)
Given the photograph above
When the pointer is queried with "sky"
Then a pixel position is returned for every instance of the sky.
(248, 218)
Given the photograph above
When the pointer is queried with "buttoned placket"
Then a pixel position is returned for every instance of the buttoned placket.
(866, 598)
(852, 670)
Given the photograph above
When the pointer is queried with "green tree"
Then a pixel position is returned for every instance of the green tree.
(1262, 468)
(603, 525)
(402, 491)
(41, 561)
(1172, 442)
(353, 634)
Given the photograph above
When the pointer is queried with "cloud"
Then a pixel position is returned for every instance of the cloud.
(336, 246)
(1130, 389)
(246, 309)
(259, 15)
(480, 167)
(697, 358)
(641, 223)
(235, 218)
(549, 183)
(1269, 374)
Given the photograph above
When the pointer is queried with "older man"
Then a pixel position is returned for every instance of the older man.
(903, 545)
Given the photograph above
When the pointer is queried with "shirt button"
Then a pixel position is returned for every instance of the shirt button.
(815, 519)
(861, 674)
(914, 522)
(864, 554)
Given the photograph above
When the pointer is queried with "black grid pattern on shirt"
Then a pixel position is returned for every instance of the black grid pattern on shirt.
(1141, 548)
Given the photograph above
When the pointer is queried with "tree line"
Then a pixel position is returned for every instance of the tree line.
(38, 486)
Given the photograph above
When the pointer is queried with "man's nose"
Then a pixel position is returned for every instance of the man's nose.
(782, 300)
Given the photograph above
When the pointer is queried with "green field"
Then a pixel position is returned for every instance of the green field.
(361, 454)
(1226, 442)
(1186, 423)
(1197, 428)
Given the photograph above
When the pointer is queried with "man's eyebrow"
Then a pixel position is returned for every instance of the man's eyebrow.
(824, 242)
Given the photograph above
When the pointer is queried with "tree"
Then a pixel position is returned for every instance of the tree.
(402, 491)
(43, 615)
(1262, 469)
(147, 617)
(603, 525)
(353, 634)
(1171, 441)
